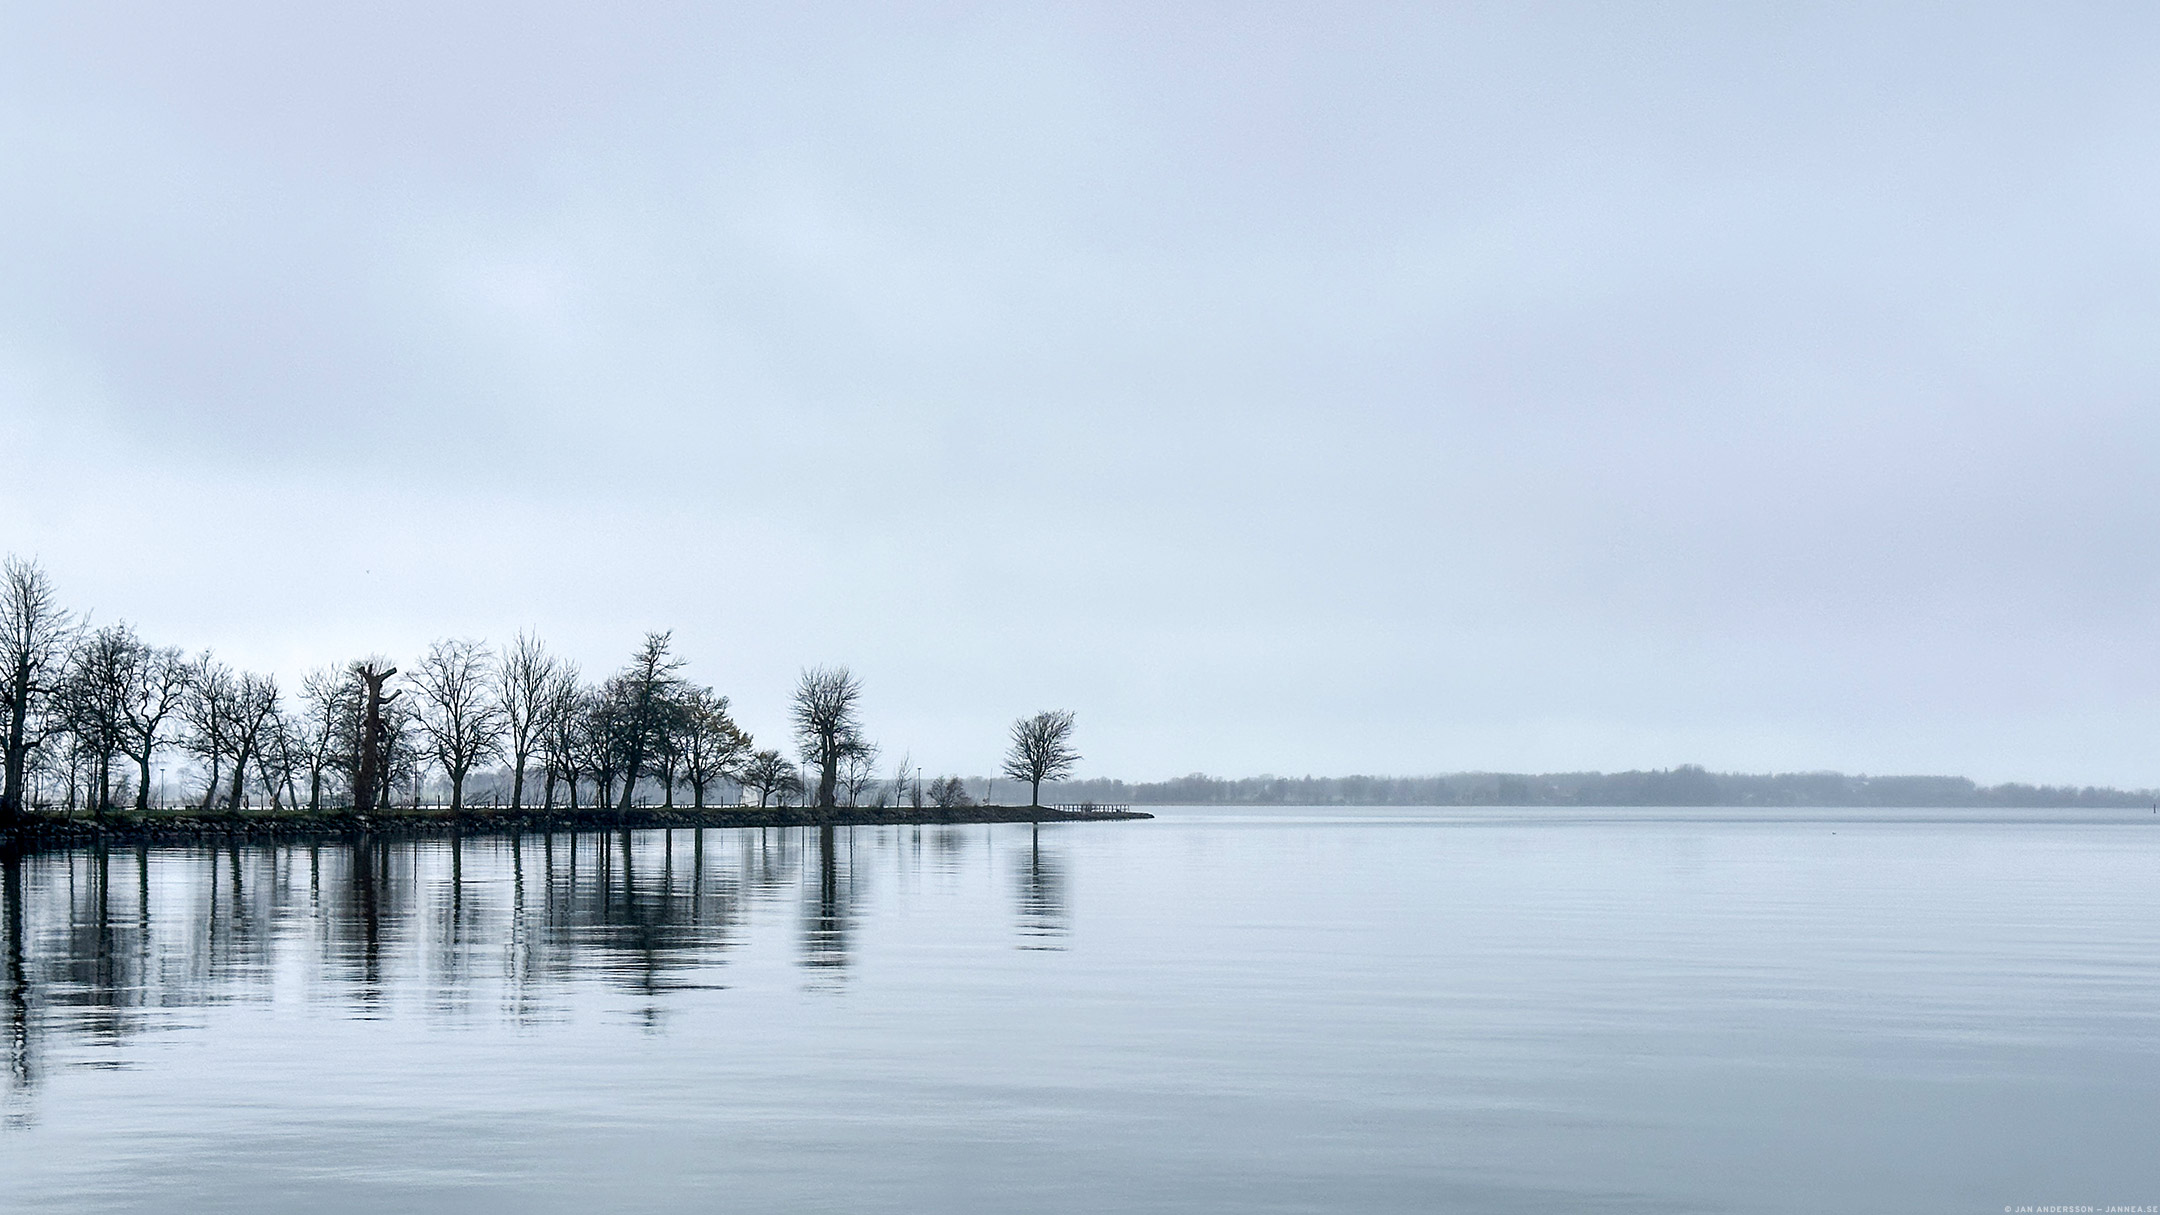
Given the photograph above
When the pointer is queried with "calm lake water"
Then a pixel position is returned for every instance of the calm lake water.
(1220, 1010)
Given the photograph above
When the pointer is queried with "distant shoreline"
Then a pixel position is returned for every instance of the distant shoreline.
(41, 830)
(1686, 785)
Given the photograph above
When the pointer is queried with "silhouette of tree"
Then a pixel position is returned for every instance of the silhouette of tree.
(211, 709)
(371, 775)
(35, 636)
(768, 772)
(906, 786)
(328, 734)
(562, 737)
(639, 697)
(458, 718)
(1041, 750)
(279, 757)
(254, 719)
(713, 746)
(826, 728)
(858, 769)
(526, 689)
(158, 691)
(94, 697)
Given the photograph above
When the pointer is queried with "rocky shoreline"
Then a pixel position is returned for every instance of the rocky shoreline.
(42, 831)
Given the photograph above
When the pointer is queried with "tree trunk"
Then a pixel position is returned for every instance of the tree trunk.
(142, 786)
(457, 793)
(11, 788)
(239, 780)
(828, 774)
(517, 783)
(371, 778)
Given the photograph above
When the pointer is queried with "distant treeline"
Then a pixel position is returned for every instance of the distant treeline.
(1687, 785)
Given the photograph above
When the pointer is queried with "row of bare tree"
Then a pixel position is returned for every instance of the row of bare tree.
(93, 710)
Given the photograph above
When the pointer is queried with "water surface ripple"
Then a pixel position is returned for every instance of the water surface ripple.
(1219, 1010)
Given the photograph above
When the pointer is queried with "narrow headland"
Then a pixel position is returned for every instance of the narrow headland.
(41, 831)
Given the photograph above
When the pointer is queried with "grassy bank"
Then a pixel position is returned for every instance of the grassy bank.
(53, 831)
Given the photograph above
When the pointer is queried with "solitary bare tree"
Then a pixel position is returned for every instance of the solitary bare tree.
(460, 720)
(35, 635)
(1041, 750)
(826, 727)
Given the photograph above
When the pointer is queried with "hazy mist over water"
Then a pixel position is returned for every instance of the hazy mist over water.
(1483, 414)
(1277, 1010)
(1328, 389)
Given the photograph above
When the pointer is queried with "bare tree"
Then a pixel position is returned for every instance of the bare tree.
(768, 772)
(713, 746)
(35, 635)
(903, 779)
(858, 769)
(401, 750)
(791, 786)
(329, 730)
(255, 719)
(280, 754)
(670, 737)
(949, 793)
(460, 721)
(211, 704)
(1041, 750)
(562, 736)
(100, 677)
(640, 696)
(526, 689)
(606, 739)
(158, 692)
(371, 775)
(825, 724)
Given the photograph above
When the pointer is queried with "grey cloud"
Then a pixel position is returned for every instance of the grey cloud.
(1396, 389)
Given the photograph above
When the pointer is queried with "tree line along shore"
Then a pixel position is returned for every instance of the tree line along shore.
(1686, 785)
(100, 726)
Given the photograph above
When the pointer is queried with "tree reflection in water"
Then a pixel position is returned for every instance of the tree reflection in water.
(831, 912)
(102, 945)
(1044, 917)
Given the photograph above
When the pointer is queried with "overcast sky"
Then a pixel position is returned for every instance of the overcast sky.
(1284, 389)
